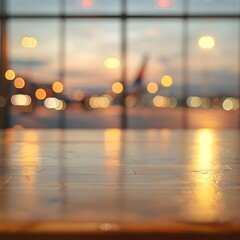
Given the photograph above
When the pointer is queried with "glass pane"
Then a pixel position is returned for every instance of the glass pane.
(154, 93)
(90, 7)
(156, 7)
(92, 66)
(33, 54)
(213, 73)
(33, 7)
(214, 6)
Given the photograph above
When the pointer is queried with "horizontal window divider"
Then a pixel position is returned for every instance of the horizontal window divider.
(230, 16)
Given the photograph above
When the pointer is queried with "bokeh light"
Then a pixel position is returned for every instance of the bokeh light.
(112, 63)
(21, 100)
(160, 101)
(78, 95)
(172, 102)
(10, 74)
(230, 104)
(51, 103)
(19, 83)
(166, 81)
(206, 42)
(29, 42)
(163, 3)
(40, 94)
(130, 101)
(87, 3)
(117, 87)
(57, 87)
(194, 101)
(100, 102)
(152, 87)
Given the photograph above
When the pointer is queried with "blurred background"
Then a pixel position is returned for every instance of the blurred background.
(120, 64)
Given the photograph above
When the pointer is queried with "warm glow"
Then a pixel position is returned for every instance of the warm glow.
(163, 3)
(152, 87)
(112, 143)
(78, 95)
(61, 105)
(21, 100)
(40, 94)
(131, 101)
(100, 102)
(29, 42)
(117, 87)
(19, 83)
(54, 103)
(194, 101)
(166, 81)
(206, 42)
(204, 164)
(160, 101)
(112, 63)
(51, 103)
(231, 104)
(9, 74)
(57, 87)
(86, 3)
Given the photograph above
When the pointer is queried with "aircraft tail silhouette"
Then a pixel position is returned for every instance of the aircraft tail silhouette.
(140, 76)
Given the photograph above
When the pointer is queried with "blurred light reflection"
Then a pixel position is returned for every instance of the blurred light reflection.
(112, 138)
(205, 198)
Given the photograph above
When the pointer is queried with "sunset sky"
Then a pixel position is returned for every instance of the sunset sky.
(90, 42)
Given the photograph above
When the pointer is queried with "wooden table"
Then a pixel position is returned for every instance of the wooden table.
(115, 184)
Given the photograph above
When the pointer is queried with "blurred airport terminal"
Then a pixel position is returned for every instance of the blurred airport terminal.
(120, 64)
(120, 119)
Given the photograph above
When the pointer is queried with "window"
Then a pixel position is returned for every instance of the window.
(120, 63)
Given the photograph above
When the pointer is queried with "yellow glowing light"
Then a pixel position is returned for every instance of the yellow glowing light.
(112, 142)
(19, 83)
(112, 63)
(40, 94)
(206, 42)
(152, 87)
(131, 101)
(160, 101)
(100, 102)
(166, 81)
(29, 42)
(204, 196)
(228, 104)
(51, 103)
(78, 95)
(61, 105)
(117, 87)
(9, 74)
(57, 87)
(2, 101)
(194, 101)
(21, 100)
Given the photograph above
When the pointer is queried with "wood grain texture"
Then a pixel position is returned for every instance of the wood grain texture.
(99, 184)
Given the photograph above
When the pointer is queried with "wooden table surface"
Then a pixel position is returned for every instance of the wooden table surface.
(100, 184)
